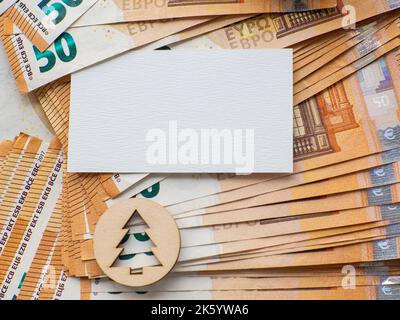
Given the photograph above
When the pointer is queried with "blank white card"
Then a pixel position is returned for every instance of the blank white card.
(184, 111)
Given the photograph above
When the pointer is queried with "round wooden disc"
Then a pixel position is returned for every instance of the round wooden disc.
(112, 228)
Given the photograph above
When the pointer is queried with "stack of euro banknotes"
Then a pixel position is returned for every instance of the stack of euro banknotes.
(329, 230)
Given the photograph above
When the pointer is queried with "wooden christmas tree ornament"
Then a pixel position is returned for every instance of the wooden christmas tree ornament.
(112, 227)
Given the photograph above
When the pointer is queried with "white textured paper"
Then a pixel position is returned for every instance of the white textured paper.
(157, 111)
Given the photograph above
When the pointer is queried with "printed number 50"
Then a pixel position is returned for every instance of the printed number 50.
(58, 7)
(60, 51)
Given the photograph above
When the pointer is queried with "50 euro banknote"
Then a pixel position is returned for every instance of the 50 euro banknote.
(379, 250)
(214, 239)
(198, 238)
(356, 237)
(178, 193)
(310, 89)
(225, 240)
(222, 233)
(284, 30)
(30, 213)
(112, 11)
(369, 39)
(317, 51)
(37, 272)
(233, 238)
(280, 190)
(43, 22)
(303, 178)
(355, 199)
(379, 177)
(384, 199)
(376, 196)
(78, 48)
(327, 48)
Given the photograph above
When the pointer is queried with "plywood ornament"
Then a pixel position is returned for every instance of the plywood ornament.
(112, 228)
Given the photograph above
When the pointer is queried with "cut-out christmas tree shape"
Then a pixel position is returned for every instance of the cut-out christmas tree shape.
(113, 227)
(136, 220)
(137, 248)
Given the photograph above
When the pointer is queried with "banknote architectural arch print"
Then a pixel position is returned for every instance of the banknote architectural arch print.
(317, 120)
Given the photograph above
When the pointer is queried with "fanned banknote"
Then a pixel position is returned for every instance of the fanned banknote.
(112, 11)
(45, 21)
